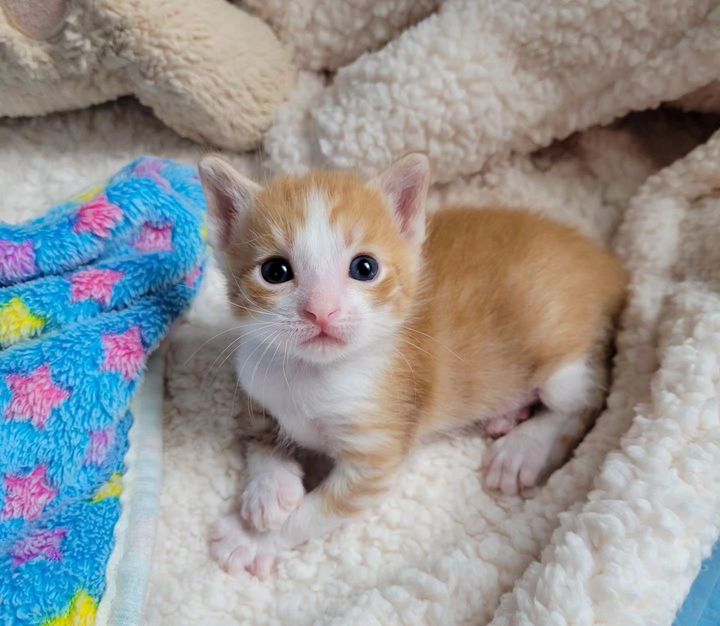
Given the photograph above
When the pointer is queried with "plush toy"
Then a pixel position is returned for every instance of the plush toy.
(206, 68)
(327, 34)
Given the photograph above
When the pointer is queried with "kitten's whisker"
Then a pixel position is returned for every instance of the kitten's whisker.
(207, 341)
(255, 349)
(417, 347)
(272, 359)
(229, 346)
(412, 371)
(442, 345)
(252, 309)
(235, 391)
(269, 342)
(246, 241)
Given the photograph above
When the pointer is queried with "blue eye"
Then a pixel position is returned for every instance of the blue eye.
(276, 271)
(363, 267)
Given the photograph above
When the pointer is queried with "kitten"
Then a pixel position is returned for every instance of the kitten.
(366, 330)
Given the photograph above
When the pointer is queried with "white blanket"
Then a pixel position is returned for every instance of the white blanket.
(618, 534)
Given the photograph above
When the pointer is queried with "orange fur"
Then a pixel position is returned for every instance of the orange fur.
(510, 296)
(506, 297)
(496, 303)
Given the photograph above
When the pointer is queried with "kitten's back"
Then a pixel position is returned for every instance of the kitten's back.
(510, 296)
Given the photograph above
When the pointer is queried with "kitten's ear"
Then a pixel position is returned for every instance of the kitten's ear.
(405, 183)
(229, 196)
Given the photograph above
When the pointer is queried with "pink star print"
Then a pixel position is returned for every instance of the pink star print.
(154, 238)
(40, 544)
(100, 443)
(94, 285)
(192, 277)
(152, 168)
(17, 260)
(27, 495)
(34, 397)
(98, 217)
(124, 353)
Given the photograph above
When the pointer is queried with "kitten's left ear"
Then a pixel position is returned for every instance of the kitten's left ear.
(405, 184)
(229, 195)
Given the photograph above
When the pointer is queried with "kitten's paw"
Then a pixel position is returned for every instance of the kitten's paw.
(236, 549)
(521, 460)
(270, 497)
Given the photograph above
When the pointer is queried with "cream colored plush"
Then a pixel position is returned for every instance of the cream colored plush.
(207, 69)
(327, 34)
(486, 78)
(618, 534)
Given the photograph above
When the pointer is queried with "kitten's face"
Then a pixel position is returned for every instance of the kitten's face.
(320, 266)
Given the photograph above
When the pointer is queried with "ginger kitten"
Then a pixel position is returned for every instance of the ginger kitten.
(365, 329)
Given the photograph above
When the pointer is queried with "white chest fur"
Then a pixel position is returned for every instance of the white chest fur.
(315, 406)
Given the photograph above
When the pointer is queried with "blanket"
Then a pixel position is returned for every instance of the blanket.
(88, 291)
(618, 534)
(443, 551)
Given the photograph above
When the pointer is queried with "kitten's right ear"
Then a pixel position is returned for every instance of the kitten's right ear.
(229, 196)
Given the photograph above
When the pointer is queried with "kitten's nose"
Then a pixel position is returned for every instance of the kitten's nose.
(320, 314)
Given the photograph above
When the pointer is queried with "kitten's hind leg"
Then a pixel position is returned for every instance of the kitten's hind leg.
(501, 425)
(531, 451)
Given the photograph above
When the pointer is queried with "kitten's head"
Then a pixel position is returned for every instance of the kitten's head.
(321, 265)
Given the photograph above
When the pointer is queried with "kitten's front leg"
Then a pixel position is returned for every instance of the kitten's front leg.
(273, 484)
(349, 489)
(273, 489)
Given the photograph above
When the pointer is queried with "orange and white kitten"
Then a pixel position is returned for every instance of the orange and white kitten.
(365, 329)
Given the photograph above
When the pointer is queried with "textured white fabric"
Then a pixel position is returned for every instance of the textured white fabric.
(617, 535)
(482, 78)
(327, 34)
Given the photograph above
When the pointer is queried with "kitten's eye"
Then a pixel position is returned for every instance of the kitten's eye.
(363, 267)
(276, 271)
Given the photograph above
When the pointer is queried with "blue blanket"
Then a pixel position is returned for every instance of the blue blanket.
(86, 293)
(702, 606)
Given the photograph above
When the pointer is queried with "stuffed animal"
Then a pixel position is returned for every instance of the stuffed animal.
(327, 34)
(207, 69)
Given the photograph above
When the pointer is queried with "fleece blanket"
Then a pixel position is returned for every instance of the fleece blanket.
(618, 534)
(88, 291)
(443, 551)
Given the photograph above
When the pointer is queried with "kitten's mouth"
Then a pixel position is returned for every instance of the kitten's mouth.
(323, 339)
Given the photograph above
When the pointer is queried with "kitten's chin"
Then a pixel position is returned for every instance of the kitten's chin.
(322, 352)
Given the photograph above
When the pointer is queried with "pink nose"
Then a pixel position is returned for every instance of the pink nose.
(320, 315)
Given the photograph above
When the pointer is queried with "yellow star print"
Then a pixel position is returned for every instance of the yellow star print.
(111, 489)
(18, 323)
(81, 612)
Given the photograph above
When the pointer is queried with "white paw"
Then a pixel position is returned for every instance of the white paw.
(236, 549)
(269, 498)
(521, 460)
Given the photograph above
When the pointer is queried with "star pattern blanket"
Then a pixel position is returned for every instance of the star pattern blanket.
(86, 293)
